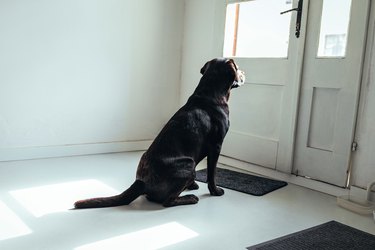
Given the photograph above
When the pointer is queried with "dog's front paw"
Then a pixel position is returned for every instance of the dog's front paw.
(216, 191)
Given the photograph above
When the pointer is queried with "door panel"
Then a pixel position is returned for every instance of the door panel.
(329, 96)
(265, 71)
(254, 149)
(263, 111)
(254, 132)
(324, 104)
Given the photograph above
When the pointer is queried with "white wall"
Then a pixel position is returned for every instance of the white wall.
(88, 71)
(198, 42)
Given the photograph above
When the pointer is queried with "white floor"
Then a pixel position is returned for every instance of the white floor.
(35, 197)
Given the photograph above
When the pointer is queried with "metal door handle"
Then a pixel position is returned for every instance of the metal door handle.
(286, 11)
(299, 16)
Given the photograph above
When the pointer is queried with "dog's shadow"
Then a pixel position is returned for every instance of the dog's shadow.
(141, 204)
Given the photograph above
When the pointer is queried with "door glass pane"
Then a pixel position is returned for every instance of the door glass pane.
(334, 28)
(256, 29)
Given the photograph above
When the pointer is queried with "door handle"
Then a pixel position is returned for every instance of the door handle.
(299, 16)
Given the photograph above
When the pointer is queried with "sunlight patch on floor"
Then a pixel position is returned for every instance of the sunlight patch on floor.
(10, 224)
(151, 238)
(59, 197)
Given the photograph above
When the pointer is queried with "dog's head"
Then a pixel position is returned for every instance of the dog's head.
(225, 69)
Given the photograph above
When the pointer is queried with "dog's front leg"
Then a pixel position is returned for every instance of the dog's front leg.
(212, 158)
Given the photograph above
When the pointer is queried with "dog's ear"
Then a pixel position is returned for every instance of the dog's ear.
(205, 67)
(232, 63)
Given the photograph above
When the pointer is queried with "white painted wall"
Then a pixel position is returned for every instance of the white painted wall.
(198, 42)
(88, 71)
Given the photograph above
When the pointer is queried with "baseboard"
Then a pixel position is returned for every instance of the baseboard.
(297, 180)
(27, 153)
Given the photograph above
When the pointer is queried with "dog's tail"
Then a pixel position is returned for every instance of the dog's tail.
(125, 198)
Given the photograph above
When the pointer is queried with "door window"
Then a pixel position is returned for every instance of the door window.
(334, 28)
(256, 29)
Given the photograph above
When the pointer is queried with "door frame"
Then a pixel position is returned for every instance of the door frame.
(369, 52)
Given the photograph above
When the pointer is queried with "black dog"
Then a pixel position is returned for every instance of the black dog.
(196, 130)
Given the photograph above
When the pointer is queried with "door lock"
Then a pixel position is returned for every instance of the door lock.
(299, 16)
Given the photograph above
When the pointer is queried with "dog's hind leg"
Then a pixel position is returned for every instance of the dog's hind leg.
(180, 184)
(193, 186)
(175, 200)
(183, 178)
(181, 200)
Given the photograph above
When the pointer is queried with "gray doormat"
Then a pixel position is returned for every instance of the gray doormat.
(245, 183)
(331, 235)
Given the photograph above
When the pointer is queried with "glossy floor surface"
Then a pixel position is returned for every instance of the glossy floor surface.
(36, 197)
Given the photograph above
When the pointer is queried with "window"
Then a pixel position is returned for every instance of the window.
(256, 29)
(334, 28)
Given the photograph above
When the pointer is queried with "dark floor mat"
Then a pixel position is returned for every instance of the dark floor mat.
(245, 183)
(331, 235)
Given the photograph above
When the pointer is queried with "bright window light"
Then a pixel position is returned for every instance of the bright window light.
(255, 29)
(59, 197)
(10, 224)
(334, 28)
(151, 238)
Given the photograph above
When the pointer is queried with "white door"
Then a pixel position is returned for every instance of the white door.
(335, 42)
(263, 111)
